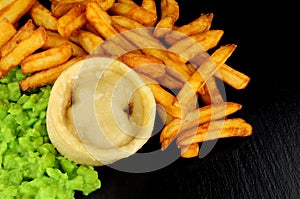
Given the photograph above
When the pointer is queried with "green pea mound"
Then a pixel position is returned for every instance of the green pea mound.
(30, 166)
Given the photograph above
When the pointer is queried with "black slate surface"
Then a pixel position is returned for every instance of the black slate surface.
(264, 165)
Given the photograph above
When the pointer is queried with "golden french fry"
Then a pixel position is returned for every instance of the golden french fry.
(235, 127)
(48, 76)
(212, 94)
(46, 59)
(7, 31)
(135, 12)
(169, 82)
(126, 22)
(25, 31)
(73, 20)
(53, 4)
(103, 24)
(62, 8)
(208, 39)
(26, 47)
(169, 15)
(195, 45)
(195, 118)
(207, 69)
(150, 6)
(117, 45)
(164, 116)
(152, 46)
(91, 28)
(189, 151)
(106, 4)
(232, 77)
(192, 68)
(169, 132)
(55, 39)
(122, 24)
(87, 40)
(199, 25)
(175, 68)
(16, 10)
(126, 1)
(100, 20)
(111, 49)
(145, 64)
(140, 37)
(42, 16)
(209, 112)
(5, 3)
(163, 97)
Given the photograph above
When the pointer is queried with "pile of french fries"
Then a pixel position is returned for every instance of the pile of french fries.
(166, 56)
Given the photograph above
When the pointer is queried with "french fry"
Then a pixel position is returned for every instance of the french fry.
(25, 31)
(207, 69)
(7, 31)
(153, 47)
(134, 12)
(192, 68)
(73, 20)
(234, 127)
(42, 16)
(145, 64)
(106, 4)
(163, 97)
(87, 40)
(169, 15)
(210, 112)
(116, 46)
(126, 1)
(55, 39)
(232, 77)
(16, 10)
(48, 76)
(26, 47)
(197, 44)
(212, 94)
(169, 81)
(199, 25)
(62, 8)
(140, 37)
(5, 3)
(111, 49)
(91, 28)
(175, 68)
(126, 22)
(53, 4)
(164, 116)
(150, 6)
(195, 118)
(46, 59)
(122, 24)
(100, 20)
(189, 151)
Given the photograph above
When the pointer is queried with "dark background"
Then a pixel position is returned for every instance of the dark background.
(264, 165)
